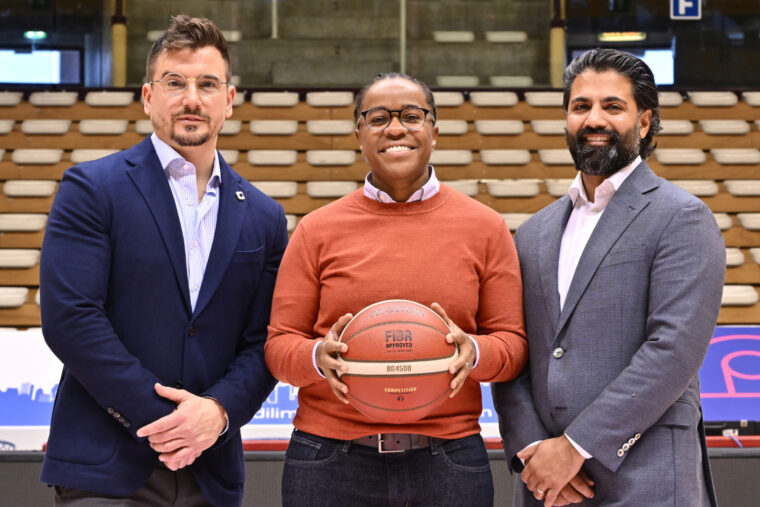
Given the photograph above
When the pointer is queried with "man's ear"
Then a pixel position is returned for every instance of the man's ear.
(645, 122)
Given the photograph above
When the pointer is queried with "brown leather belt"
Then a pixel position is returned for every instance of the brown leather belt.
(394, 442)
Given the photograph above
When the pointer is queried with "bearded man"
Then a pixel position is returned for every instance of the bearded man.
(622, 280)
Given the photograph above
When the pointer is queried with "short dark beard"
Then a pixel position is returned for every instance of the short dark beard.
(603, 160)
(189, 139)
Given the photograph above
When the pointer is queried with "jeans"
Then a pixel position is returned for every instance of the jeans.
(322, 471)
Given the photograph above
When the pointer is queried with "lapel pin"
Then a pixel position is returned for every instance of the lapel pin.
(240, 195)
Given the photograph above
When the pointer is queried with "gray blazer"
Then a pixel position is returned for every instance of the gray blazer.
(616, 369)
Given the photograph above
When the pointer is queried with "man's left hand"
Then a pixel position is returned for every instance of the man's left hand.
(183, 435)
(549, 467)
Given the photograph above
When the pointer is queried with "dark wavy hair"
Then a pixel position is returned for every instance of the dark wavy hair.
(187, 32)
(627, 65)
(391, 75)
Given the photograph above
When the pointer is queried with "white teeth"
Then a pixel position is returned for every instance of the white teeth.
(397, 148)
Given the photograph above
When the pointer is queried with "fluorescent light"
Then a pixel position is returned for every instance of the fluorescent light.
(622, 36)
(35, 35)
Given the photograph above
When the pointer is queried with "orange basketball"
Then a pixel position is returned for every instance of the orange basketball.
(398, 361)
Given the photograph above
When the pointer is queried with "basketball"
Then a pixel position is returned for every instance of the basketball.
(398, 361)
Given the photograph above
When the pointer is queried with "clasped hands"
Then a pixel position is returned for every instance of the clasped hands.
(332, 366)
(553, 472)
(190, 429)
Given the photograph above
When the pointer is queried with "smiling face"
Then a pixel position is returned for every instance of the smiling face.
(397, 157)
(190, 119)
(604, 126)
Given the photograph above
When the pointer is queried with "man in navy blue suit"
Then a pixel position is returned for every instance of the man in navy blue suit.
(156, 277)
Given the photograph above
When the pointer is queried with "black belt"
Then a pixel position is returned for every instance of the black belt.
(394, 442)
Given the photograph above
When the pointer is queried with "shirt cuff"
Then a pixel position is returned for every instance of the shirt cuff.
(578, 448)
(226, 417)
(477, 351)
(532, 444)
(314, 358)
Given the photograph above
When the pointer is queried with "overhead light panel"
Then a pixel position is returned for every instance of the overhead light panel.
(35, 35)
(622, 36)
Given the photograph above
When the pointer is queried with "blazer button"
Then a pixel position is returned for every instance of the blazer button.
(127, 424)
(191, 331)
(620, 453)
(110, 410)
(637, 436)
(631, 441)
(558, 352)
(626, 447)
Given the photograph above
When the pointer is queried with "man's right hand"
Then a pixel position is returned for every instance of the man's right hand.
(327, 361)
(578, 489)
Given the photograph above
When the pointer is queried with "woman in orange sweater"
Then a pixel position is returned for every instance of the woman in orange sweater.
(403, 235)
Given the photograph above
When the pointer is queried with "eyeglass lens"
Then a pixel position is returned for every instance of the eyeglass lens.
(413, 118)
(175, 83)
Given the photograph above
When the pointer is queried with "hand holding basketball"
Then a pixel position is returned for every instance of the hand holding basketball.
(328, 362)
(461, 366)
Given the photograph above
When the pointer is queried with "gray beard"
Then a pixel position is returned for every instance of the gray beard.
(605, 160)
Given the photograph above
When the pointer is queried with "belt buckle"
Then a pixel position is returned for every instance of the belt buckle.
(380, 441)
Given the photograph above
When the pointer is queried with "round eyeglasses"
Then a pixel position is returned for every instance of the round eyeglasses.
(411, 117)
(175, 83)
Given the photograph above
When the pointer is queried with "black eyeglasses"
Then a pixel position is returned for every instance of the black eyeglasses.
(411, 117)
(175, 83)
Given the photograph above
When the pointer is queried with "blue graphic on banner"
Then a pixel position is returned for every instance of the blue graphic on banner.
(26, 406)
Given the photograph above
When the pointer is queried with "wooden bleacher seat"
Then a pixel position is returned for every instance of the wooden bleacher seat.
(272, 157)
(505, 157)
(13, 297)
(29, 188)
(22, 222)
(45, 127)
(515, 220)
(493, 99)
(558, 187)
(453, 36)
(755, 254)
(452, 127)
(330, 189)
(9, 99)
(676, 127)
(750, 221)
(277, 189)
(467, 187)
(723, 220)
(330, 127)
(505, 81)
(37, 156)
(739, 295)
(701, 188)
(331, 157)
(274, 99)
(559, 156)
(734, 257)
(235, 80)
(544, 99)
(724, 127)
(457, 81)
(273, 127)
(548, 127)
(732, 156)
(105, 127)
(109, 98)
(741, 188)
(37, 297)
(292, 222)
(19, 258)
(713, 99)
(6, 126)
(231, 127)
(143, 127)
(499, 127)
(506, 36)
(680, 156)
(448, 99)
(86, 154)
(670, 99)
(451, 157)
(513, 188)
(752, 98)
(230, 156)
(329, 99)
(53, 99)
(239, 99)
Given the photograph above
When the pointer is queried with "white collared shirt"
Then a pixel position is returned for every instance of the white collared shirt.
(428, 190)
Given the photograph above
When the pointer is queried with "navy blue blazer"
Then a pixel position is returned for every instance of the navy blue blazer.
(116, 311)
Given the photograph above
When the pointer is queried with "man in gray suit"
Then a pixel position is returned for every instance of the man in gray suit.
(622, 285)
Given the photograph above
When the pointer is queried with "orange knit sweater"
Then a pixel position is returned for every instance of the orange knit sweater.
(354, 252)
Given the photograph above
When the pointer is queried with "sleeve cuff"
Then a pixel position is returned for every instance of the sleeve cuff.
(578, 448)
(477, 351)
(314, 358)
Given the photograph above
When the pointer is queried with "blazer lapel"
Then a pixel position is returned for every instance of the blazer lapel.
(229, 223)
(548, 255)
(624, 206)
(149, 178)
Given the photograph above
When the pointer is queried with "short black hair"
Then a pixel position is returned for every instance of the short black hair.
(629, 66)
(391, 75)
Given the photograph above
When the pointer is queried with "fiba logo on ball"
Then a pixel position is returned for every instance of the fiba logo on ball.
(398, 360)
